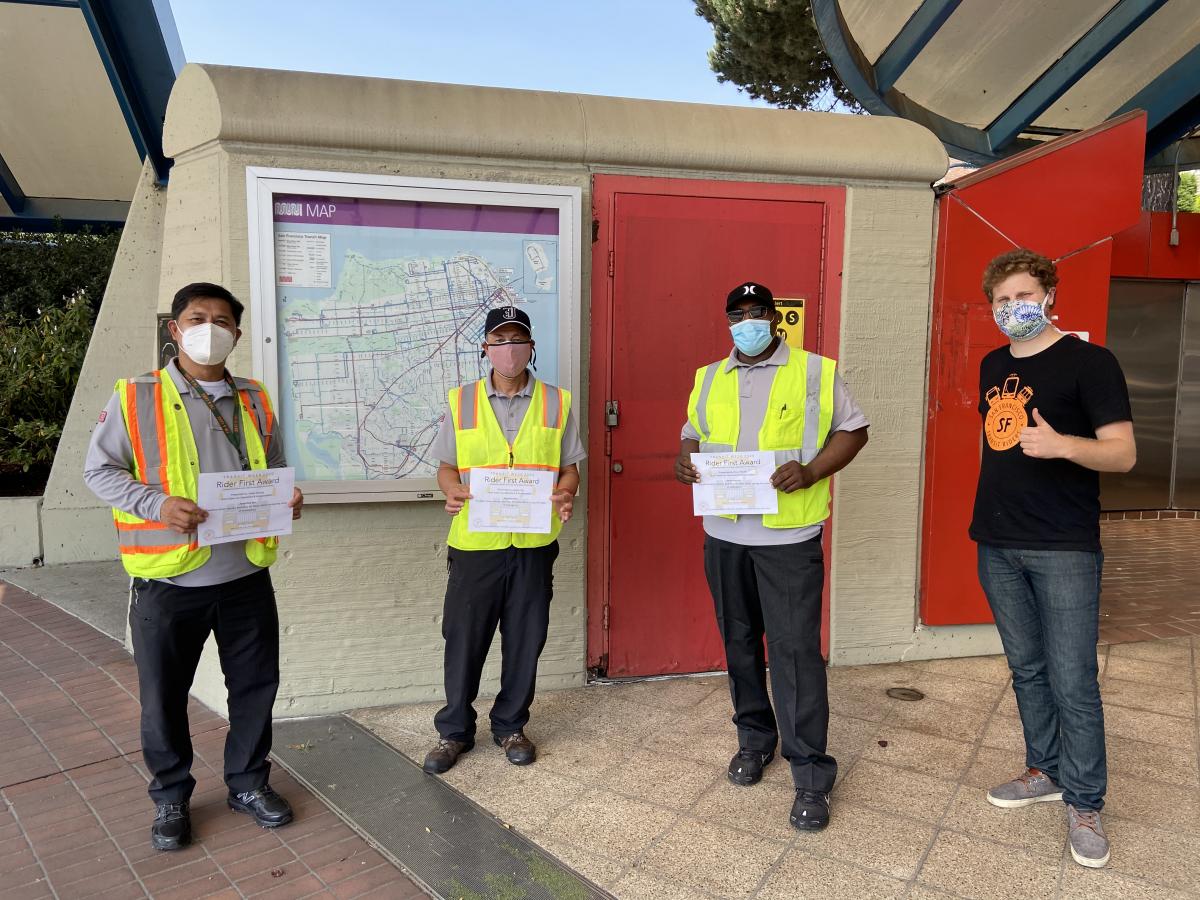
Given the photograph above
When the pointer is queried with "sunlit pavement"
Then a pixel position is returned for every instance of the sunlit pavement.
(630, 787)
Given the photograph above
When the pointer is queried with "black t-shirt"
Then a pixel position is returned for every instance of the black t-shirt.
(1047, 504)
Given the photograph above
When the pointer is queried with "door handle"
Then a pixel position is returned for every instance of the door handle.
(618, 468)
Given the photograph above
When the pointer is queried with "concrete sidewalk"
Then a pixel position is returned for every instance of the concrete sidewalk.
(74, 815)
(630, 788)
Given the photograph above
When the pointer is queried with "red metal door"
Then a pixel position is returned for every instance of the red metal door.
(666, 254)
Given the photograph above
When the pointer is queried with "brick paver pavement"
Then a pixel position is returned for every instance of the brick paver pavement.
(1151, 569)
(74, 815)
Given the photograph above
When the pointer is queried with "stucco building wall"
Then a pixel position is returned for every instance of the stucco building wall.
(360, 585)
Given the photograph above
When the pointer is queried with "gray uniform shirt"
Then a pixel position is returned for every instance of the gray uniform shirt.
(754, 387)
(510, 412)
(108, 471)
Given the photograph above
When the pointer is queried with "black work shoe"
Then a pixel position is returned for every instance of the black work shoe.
(443, 757)
(172, 828)
(268, 808)
(746, 767)
(518, 748)
(810, 812)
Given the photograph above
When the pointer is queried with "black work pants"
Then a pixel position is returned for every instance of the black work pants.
(777, 591)
(170, 625)
(510, 588)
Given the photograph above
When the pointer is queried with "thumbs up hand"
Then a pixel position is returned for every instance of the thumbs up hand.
(1041, 441)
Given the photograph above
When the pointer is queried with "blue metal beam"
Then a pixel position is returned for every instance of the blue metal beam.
(10, 190)
(46, 214)
(1171, 102)
(134, 39)
(908, 44)
(852, 67)
(1118, 23)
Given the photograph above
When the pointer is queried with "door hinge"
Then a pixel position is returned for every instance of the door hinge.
(607, 443)
(611, 254)
(606, 617)
(612, 413)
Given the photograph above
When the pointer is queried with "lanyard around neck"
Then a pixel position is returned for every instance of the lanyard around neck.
(232, 432)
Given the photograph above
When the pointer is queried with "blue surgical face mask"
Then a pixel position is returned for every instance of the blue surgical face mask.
(751, 336)
(1022, 320)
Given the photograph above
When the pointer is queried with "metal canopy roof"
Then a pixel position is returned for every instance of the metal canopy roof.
(991, 78)
(83, 92)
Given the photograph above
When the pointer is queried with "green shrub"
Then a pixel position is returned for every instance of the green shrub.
(40, 271)
(41, 362)
(51, 286)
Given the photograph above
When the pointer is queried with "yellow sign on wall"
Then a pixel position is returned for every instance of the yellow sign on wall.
(791, 329)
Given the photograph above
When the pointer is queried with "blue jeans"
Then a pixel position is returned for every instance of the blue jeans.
(1047, 608)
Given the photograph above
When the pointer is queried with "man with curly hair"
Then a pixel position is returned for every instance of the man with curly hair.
(1055, 414)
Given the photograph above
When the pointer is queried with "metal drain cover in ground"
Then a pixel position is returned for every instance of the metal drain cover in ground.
(903, 693)
(441, 838)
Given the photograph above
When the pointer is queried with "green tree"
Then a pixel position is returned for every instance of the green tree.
(771, 50)
(1186, 192)
(40, 271)
(51, 286)
(40, 366)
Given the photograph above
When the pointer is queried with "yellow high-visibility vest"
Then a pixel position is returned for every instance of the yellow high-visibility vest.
(480, 444)
(796, 425)
(165, 457)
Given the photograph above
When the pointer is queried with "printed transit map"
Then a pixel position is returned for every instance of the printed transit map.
(380, 307)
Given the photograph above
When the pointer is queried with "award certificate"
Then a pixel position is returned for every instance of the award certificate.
(515, 500)
(242, 506)
(734, 484)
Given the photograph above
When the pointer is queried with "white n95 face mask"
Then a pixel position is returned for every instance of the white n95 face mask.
(208, 344)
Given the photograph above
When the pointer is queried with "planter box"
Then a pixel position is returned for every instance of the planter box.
(20, 531)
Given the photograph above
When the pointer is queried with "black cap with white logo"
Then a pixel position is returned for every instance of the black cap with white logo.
(506, 315)
(749, 291)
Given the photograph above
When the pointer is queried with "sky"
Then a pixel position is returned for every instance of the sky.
(652, 49)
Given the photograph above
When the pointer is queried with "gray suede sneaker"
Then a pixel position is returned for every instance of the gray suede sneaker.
(1089, 844)
(1034, 786)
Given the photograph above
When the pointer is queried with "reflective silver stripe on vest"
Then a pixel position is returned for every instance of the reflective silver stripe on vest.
(467, 404)
(786, 456)
(147, 416)
(258, 405)
(812, 408)
(706, 447)
(702, 401)
(552, 417)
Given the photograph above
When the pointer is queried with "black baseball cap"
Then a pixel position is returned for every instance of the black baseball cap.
(506, 315)
(749, 290)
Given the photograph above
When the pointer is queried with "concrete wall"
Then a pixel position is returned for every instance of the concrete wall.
(875, 566)
(76, 526)
(20, 531)
(360, 586)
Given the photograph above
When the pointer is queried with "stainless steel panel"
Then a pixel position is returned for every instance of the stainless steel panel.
(1144, 320)
(1187, 428)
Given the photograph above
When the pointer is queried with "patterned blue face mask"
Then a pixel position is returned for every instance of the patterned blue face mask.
(751, 336)
(1022, 320)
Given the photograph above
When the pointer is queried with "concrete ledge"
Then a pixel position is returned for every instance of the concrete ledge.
(304, 109)
(20, 531)
(942, 642)
(78, 535)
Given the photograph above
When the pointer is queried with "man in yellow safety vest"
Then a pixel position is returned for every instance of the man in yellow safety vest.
(157, 433)
(511, 420)
(766, 571)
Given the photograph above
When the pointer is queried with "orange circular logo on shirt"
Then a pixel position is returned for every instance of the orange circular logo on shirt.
(1006, 416)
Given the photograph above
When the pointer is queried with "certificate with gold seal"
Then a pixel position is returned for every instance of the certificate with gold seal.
(737, 483)
(516, 500)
